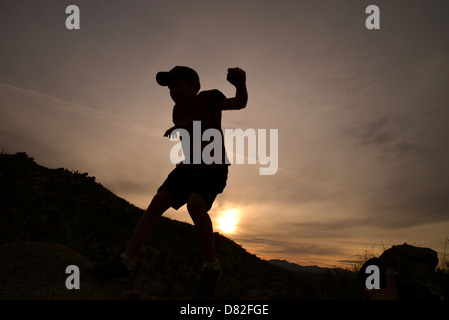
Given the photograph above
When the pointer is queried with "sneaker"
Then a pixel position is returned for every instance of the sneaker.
(208, 282)
(113, 269)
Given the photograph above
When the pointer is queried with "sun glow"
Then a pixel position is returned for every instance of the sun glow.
(228, 220)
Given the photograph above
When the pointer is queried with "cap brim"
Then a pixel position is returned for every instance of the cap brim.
(163, 78)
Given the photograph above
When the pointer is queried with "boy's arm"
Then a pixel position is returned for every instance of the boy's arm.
(237, 77)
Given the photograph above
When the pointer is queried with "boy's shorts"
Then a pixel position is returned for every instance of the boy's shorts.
(208, 183)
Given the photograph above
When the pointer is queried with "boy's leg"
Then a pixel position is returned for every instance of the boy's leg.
(211, 269)
(198, 212)
(162, 201)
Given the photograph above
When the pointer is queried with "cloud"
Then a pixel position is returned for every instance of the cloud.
(283, 247)
(393, 136)
(58, 133)
(301, 251)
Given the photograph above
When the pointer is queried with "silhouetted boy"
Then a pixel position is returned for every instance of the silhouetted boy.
(193, 183)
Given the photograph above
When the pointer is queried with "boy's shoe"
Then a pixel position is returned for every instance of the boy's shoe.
(113, 269)
(208, 282)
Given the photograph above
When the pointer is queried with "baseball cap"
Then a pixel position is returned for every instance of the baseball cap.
(179, 72)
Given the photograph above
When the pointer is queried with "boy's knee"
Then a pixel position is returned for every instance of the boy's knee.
(196, 204)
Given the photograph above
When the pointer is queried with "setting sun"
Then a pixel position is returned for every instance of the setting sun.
(227, 222)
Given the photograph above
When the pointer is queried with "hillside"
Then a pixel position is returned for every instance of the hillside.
(41, 207)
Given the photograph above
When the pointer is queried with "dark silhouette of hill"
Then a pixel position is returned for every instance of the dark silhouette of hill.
(42, 206)
(52, 218)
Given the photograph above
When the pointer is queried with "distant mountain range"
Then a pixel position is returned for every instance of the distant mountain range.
(298, 268)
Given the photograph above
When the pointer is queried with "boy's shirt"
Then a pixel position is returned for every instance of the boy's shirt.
(204, 109)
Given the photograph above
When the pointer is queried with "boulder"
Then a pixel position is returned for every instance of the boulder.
(410, 261)
(37, 271)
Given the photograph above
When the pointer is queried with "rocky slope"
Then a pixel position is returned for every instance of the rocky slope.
(49, 217)
(53, 218)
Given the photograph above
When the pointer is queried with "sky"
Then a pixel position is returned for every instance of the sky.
(362, 115)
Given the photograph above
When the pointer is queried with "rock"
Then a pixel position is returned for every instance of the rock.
(274, 291)
(148, 286)
(280, 290)
(37, 270)
(411, 262)
(136, 295)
